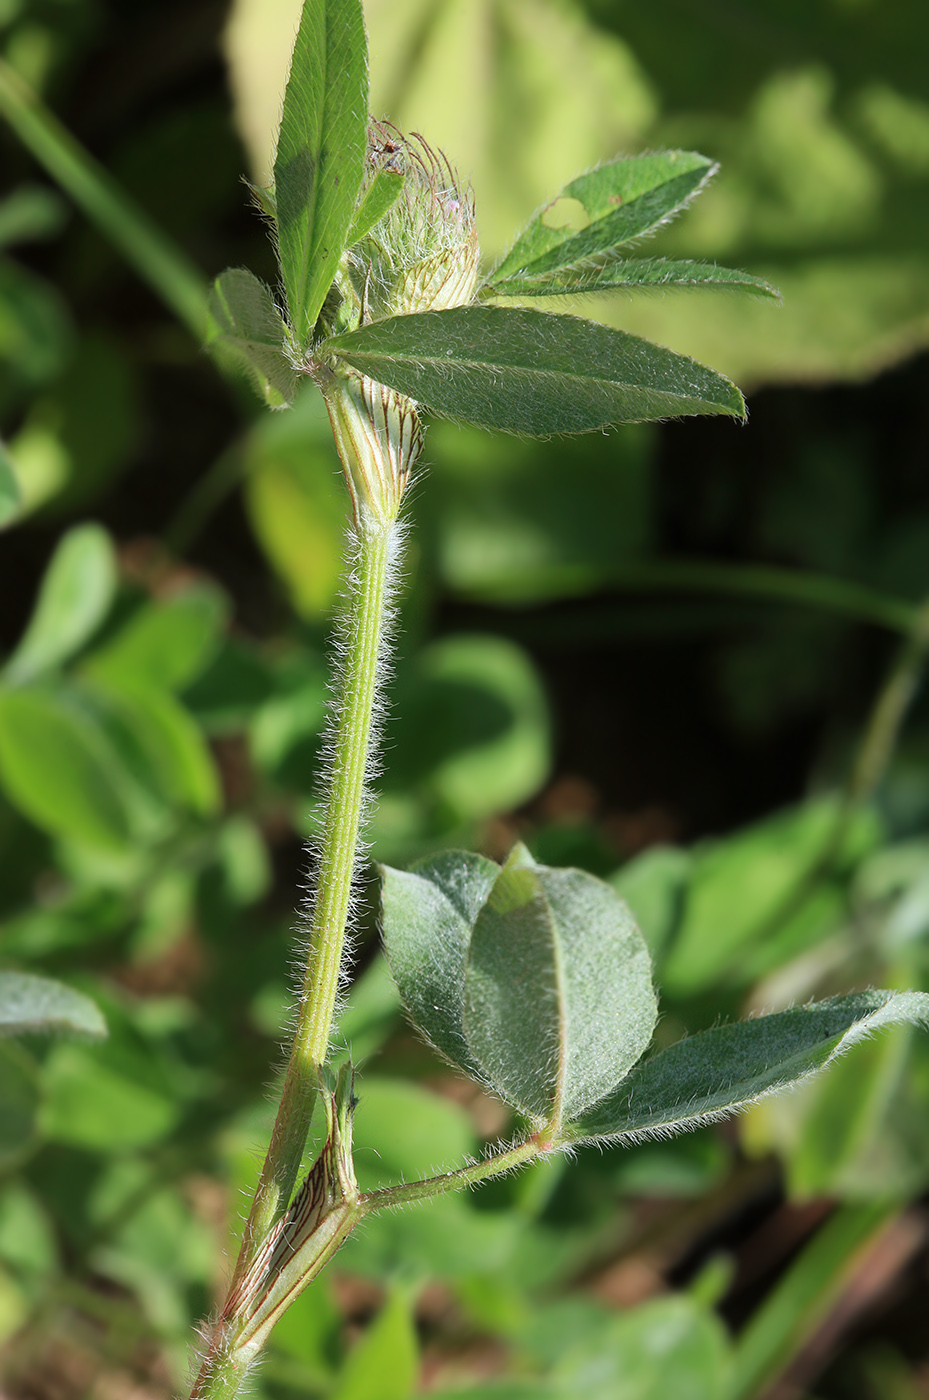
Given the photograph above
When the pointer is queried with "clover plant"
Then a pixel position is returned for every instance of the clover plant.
(534, 981)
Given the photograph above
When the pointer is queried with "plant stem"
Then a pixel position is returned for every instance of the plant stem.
(165, 267)
(496, 1165)
(351, 743)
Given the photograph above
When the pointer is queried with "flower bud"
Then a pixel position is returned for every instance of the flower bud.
(421, 255)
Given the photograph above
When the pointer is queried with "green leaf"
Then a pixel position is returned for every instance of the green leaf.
(558, 1001)
(167, 644)
(719, 1071)
(103, 1099)
(428, 913)
(628, 275)
(531, 979)
(320, 153)
(473, 731)
(603, 210)
(244, 319)
(10, 494)
(19, 1103)
(405, 1130)
(173, 759)
(74, 598)
(794, 1310)
(57, 768)
(30, 1003)
(382, 192)
(385, 1363)
(529, 372)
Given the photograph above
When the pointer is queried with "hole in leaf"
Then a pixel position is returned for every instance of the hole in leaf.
(566, 213)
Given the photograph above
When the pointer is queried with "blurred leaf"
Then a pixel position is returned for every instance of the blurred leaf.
(35, 333)
(530, 372)
(403, 1132)
(597, 213)
(166, 751)
(233, 686)
(384, 1364)
(19, 1103)
(534, 125)
(284, 729)
(372, 1012)
(653, 885)
(10, 495)
(27, 1239)
(472, 730)
(109, 1097)
(514, 520)
(665, 1347)
(740, 884)
(57, 768)
(166, 644)
(75, 596)
(244, 857)
(94, 190)
(30, 212)
(719, 1071)
(320, 153)
(39, 1004)
(245, 320)
(802, 1297)
(295, 504)
(446, 1238)
(858, 1132)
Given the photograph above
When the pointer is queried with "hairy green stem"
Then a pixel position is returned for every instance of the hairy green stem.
(516, 1156)
(351, 744)
(233, 1344)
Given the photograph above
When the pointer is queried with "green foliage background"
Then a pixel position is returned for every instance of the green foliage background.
(662, 655)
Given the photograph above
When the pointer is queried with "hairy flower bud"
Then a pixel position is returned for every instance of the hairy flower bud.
(421, 255)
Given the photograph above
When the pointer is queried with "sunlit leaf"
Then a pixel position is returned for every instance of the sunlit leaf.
(599, 212)
(558, 1002)
(320, 153)
(382, 192)
(532, 979)
(529, 372)
(56, 767)
(167, 643)
(719, 1071)
(40, 1004)
(630, 274)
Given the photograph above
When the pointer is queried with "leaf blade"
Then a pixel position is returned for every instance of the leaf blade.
(629, 274)
(244, 319)
(719, 1071)
(320, 153)
(29, 1003)
(75, 595)
(529, 372)
(559, 1003)
(427, 917)
(606, 208)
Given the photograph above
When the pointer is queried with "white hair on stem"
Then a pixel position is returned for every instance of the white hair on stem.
(342, 647)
